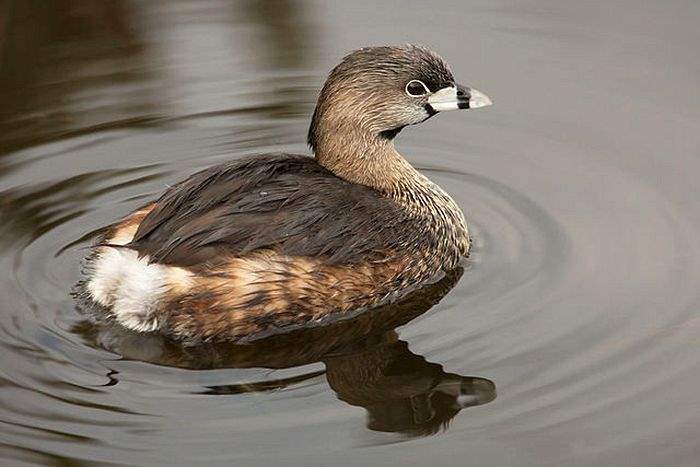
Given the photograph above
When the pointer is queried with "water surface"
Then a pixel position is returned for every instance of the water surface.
(572, 337)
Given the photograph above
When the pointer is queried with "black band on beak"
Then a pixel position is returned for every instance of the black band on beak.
(463, 96)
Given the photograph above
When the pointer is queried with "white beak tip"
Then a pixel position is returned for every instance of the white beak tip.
(479, 99)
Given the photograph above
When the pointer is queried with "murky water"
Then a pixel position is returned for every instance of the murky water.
(572, 336)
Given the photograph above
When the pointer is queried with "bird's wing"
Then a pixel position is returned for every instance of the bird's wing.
(287, 203)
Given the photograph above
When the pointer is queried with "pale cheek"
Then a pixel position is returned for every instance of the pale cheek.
(420, 115)
(411, 115)
(393, 117)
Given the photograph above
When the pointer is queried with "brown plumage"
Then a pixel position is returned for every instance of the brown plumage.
(279, 241)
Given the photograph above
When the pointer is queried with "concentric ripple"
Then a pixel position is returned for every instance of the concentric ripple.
(535, 284)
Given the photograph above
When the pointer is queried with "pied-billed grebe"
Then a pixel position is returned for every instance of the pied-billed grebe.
(274, 241)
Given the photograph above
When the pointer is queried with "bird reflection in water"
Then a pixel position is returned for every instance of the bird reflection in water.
(367, 365)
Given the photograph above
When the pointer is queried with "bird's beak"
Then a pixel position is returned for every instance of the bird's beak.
(457, 97)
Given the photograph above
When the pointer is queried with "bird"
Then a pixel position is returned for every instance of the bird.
(272, 242)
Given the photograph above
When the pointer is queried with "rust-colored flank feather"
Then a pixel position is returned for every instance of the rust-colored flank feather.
(278, 241)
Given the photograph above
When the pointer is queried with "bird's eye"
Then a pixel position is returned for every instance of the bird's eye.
(416, 88)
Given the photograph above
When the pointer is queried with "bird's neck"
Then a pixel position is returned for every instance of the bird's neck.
(374, 162)
(370, 160)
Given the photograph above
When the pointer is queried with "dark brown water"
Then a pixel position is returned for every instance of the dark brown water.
(571, 338)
